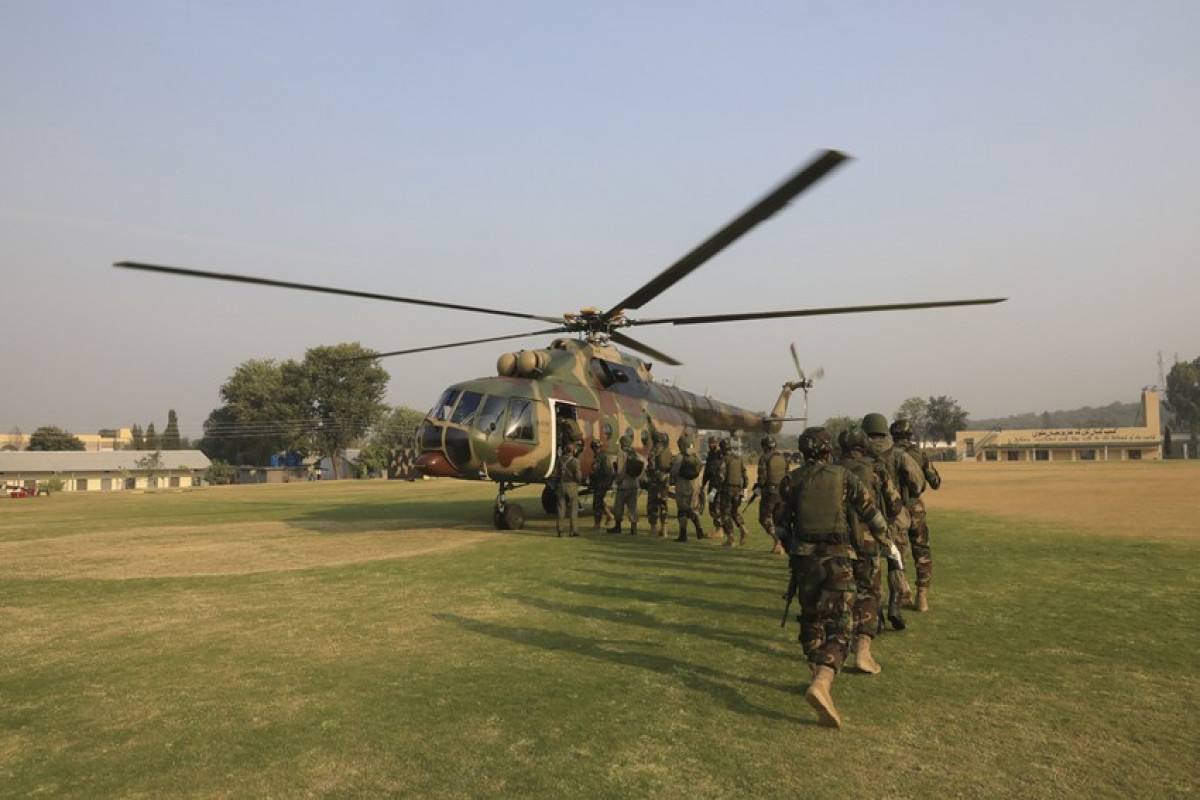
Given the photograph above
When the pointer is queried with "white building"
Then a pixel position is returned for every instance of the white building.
(103, 471)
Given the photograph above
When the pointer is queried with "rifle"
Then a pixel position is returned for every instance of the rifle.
(793, 586)
(753, 497)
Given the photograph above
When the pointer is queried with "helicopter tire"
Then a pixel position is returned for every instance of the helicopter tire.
(498, 519)
(549, 499)
(514, 517)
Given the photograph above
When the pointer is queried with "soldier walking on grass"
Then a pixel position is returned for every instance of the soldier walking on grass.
(918, 530)
(658, 483)
(629, 467)
(908, 479)
(772, 466)
(822, 498)
(569, 478)
(685, 470)
(709, 486)
(601, 481)
(731, 487)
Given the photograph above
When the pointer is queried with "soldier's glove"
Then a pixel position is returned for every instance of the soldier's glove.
(894, 556)
(712, 496)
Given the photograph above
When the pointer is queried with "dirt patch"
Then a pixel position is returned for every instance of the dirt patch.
(224, 550)
(1143, 500)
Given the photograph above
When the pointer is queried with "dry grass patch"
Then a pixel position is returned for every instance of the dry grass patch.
(1144, 500)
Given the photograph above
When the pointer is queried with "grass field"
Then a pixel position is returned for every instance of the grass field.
(365, 639)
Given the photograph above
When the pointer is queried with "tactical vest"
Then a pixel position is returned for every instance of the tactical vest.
(776, 469)
(689, 467)
(733, 471)
(663, 461)
(820, 506)
(602, 472)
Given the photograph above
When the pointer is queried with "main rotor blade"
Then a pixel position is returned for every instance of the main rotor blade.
(796, 361)
(812, 312)
(764, 208)
(634, 344)
(454, 344)
(224, 276)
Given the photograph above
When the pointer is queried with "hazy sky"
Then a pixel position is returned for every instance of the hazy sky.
(544, 156)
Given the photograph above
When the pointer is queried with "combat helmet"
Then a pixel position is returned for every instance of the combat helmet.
(853, 438)
(816, 444)
(901, 429)
(597, 445)
(875, 424)
(661, 437)
(684, 441)
(626, 442)
(724, 446)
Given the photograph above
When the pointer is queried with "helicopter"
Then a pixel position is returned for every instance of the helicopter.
(512, 427)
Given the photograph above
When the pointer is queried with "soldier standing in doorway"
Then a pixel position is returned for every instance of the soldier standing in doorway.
(569, 478)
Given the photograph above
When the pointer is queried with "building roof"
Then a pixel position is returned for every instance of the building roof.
(26, 461)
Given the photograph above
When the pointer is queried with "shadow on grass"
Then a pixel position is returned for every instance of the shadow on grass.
(772, 587)
(641, 619)
(695, 677)
(625, 592)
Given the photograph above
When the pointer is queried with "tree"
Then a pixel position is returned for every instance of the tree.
(835, 425)
(916, 411)
(15, 440)
(137, 438)
(152, 464)
(258, 418)
(48, 437)
(397, 431)
(170, 436)
(945, 419)
(153, 440)
(1183, 396)
(340, 391)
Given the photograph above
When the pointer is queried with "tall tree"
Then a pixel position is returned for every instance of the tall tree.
(945, 419)
(137, 438)
(170, 436)
(1183, 396)
(258, 418)
(153, 441)
(835, 425)
(340, 389)
(916, 411)
(49, 437)
(15, 440)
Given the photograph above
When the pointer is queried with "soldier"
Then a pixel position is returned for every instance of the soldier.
(906, 476)
(600, 481)
(709, 485)
(629, 468)
(569, 478)
(918, 530)
(731, 486)
(867, 577)
(822, 498)
(685, 469)
(772, 466)
(658, 483)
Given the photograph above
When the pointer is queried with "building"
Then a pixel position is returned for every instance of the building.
(1068, 444)
(111, 471)
(91, 442)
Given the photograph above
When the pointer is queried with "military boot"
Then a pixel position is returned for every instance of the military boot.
(633, 529)
(864, 661)
(615, 528)
(820, 697)
(682, 537)
(896, 581)
(922, 598)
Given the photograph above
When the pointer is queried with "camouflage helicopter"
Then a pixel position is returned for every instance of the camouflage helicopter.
(510, 427)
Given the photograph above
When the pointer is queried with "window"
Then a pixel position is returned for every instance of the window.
(520, 420)
(81, 484)
(174, 482)
(441, 410)
(1012, 455)
(465, 413)
(489, 416)
(1135, 455)
(1087, 455)
(1041, 455)
(991, 455)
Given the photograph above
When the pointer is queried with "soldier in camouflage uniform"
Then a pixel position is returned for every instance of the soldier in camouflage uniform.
(685, 470)
(569, 477)
(907, 477)
(822, 498)
(601, 481)
(709, 486)
(772, 466)
(867, 574)
(658, 483)
(918, 530)
(731, 487)
(629, 468)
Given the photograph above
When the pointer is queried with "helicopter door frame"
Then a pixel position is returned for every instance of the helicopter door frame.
(554, 431)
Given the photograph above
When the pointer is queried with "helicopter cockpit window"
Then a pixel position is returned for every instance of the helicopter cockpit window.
(520, 420)
(464, 414)
(441, 410)
(489, 416)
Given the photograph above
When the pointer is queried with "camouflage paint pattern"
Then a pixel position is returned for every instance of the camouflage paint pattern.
(826, 591)
(606, 391)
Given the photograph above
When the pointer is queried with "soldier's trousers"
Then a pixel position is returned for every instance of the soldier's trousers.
(918, 537)
(766, 511)
(826, 594)
(656, 502)
(626, 502)
(730, 501)
(568, 506)
(684, 508)
(599, 504)
(868, 590)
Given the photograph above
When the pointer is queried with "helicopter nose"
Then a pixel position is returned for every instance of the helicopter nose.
(436, 465)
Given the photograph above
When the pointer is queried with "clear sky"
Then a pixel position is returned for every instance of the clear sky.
(544, 156)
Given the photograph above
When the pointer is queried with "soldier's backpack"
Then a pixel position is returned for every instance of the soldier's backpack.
(819, 505)
(634, 465)
(689, 468)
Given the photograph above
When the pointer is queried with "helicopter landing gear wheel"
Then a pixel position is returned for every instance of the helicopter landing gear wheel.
(549, 500)
(512, 518)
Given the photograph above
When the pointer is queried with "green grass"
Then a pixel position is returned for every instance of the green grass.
(1054, 663)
